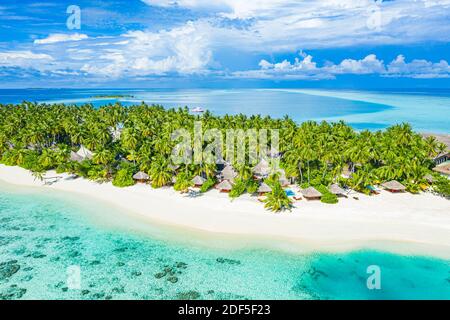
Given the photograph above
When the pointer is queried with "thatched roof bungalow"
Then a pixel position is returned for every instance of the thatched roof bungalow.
(228, 173)
(75, 157)
(224, 186)
(394, 186)
(262, 169)
(443, 169)
(264, 188)
(198, 181)
(337, 190)
(141, 177)
(85, 153)
(311, 193)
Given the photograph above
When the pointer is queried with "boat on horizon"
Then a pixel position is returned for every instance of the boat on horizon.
(197, 110)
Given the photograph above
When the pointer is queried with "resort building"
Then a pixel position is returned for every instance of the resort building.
(141, 177)
(443, 169)
(263, 189)
(228, 173)
(262, 170)
(198, 181)
(394, 186)
(311, 193)
(337, 190)
(444, 156)
(85, 153)
(76, 157)
(224, 186)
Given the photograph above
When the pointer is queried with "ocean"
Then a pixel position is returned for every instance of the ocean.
(55, 247)
(426, 110)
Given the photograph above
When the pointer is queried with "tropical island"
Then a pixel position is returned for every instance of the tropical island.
(112, 96)
(123, 155)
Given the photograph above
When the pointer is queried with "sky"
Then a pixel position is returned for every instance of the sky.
(225, 43)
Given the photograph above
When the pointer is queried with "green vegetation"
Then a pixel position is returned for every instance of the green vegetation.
(277, 200)
(41, 136)
(123, 178)
(442, 186)
(183, 182)
(239, 188)
(209, 183)
(327, 196)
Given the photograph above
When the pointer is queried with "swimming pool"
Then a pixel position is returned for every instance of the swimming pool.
(289, 193)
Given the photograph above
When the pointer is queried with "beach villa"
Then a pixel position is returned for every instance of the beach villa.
(311, 193)
(393, 186)
(141, 177)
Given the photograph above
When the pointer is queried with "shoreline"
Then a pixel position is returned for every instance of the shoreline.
(400, 223)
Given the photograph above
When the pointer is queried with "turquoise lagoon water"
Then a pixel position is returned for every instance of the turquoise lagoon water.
(43, 233)
(426, 110)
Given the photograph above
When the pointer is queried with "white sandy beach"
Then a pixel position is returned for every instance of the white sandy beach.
(406, 223)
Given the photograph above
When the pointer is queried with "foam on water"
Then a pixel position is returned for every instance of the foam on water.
(42, 234)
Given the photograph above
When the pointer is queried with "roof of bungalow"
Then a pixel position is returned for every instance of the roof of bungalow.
(336, 189)
(262, 168)
(141, 176)
(443, 168)
(228, 173)
(198, 181)
(85, 153)
(264, 188)
(393, 185)
(311, 192)
(224, 185)
(75, 157)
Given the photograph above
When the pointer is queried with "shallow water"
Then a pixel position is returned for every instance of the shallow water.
(45, 236)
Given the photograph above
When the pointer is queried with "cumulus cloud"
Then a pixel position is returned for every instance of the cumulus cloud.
(305, 69)
(61, 37)
(182, 50)
(285, 25)
(24, 59)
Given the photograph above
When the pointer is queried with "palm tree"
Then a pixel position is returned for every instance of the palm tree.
(277, 200)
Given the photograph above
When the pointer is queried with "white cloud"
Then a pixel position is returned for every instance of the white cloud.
(23, 59)
(182, 50)
(289, 25)
(418, 68)
(61, 37)
(306, 69)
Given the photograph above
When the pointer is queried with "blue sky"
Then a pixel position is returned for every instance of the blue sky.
(226, 43)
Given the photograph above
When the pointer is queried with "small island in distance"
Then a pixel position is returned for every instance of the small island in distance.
(112, 96)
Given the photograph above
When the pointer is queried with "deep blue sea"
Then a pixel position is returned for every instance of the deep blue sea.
(425, 110)
(45, 236)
